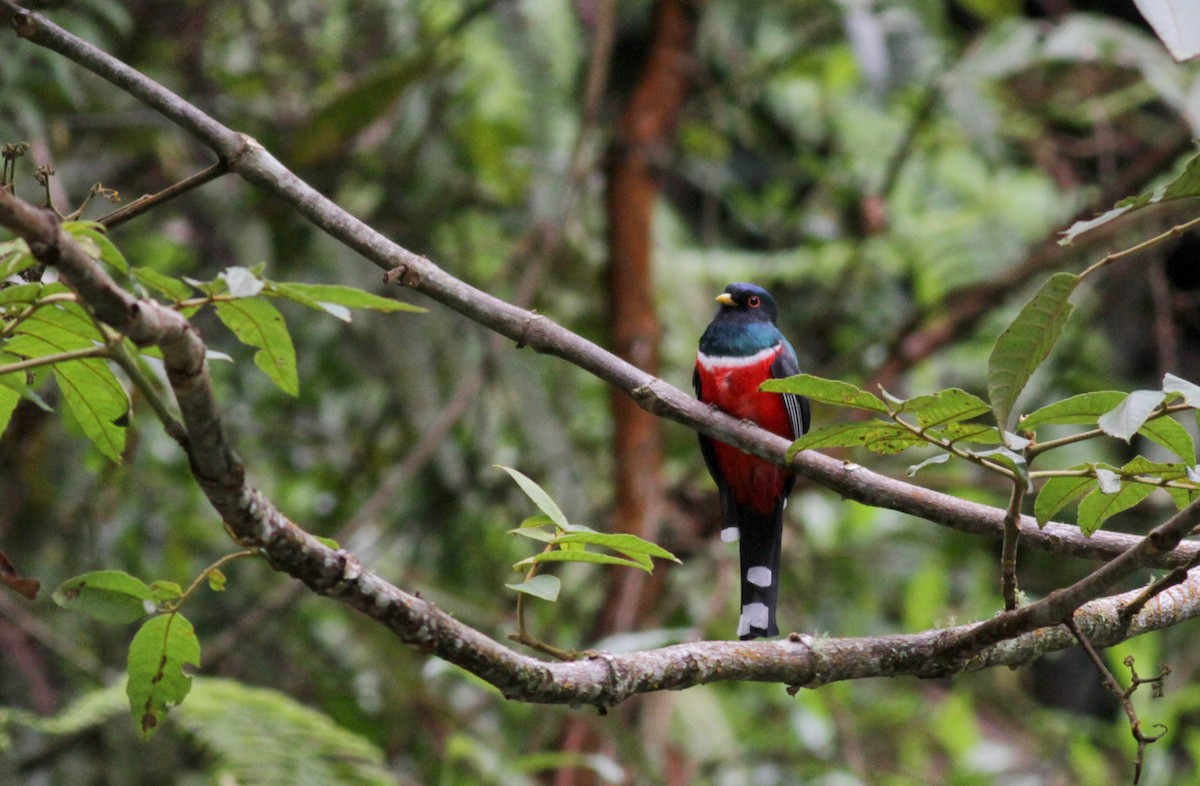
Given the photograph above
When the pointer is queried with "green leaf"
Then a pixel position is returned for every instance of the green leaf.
(1086, 408)
(630, 545)
(9, 398)
(1057, 493)
(1171, 434)
(332, 309)
(106, 595)
(60, 327)
(945, 406)
(1182, 497)
(1097, 507)
(876, 435)
(15, 258)
(160, 650)
(539, 497)
(259, 324)
(1185, 186)
(98, 402)
(977, 433)
(544, 586)
(216, 581)
(329, 542)
(175, 289)
(578, 555)
(22, 294)
(166, 591)
(828, 391)
(103, 249)
(1025, 343)
(1126, 418)
(324, 295)
(1177, 385)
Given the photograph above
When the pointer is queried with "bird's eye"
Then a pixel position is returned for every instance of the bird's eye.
(753, 301)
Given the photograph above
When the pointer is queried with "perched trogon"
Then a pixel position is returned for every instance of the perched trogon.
(740, 349)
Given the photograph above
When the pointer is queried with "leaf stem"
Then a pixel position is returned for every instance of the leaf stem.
(1037, 448)
(222, 562)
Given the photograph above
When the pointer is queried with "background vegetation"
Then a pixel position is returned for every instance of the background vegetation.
(895, 174)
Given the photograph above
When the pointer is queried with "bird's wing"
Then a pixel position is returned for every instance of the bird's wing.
(786, 365)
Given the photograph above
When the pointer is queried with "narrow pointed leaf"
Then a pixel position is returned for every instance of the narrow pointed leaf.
(539, 497)
(259, 324)
(157, 656)
(106, 595)
(544, 586)
(1025, 343)
(579, 555)
(1086, 408)
(1124, 420)
(630, 545)
(1057, 493)
(340, 295)
(828, 391)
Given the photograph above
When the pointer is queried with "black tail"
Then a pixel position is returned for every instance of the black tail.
(759, 544)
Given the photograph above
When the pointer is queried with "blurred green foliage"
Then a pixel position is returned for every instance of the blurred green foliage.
(451, 127)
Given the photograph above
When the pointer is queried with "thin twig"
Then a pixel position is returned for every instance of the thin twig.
(1123, 694)
(151, 201)
(1137, 248)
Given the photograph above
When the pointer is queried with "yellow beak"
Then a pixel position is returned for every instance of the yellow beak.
(725, 299)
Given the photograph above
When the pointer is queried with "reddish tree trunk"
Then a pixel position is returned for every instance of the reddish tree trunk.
(644, 134)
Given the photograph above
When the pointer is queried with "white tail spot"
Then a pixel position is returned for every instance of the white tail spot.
(759, 576)
(730, 534)
(754, 615)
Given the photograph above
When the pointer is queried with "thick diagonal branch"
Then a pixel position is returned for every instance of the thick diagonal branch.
(256, 165)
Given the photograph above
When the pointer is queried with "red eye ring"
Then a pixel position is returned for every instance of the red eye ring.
(753, 301)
